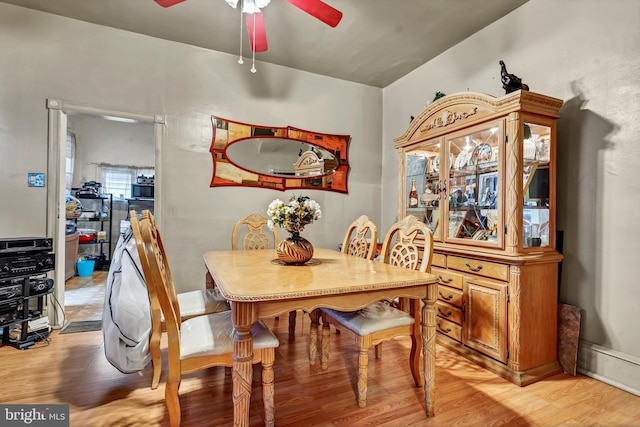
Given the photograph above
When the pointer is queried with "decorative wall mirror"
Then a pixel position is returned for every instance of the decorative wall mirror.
(281, 158)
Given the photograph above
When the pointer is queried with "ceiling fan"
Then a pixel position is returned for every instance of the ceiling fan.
(255, 23)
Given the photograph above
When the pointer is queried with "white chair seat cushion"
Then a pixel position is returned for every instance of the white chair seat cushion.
(213, 334)
(375, 317)
(196, 303)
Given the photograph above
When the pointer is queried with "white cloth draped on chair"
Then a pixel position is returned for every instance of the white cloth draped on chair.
(126, 317)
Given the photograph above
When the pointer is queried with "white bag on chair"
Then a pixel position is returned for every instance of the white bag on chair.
(126, 319)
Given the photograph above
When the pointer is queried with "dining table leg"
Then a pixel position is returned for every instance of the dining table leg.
(244, 317)
(429, 349)
(314, 315)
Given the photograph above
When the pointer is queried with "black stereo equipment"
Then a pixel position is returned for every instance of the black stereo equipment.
(22, 245)
(26, 264)
(11, 291)
(8, 312)
(39, 286)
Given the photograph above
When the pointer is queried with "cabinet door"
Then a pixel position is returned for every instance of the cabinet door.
(538, 183)
(474, 191)
(422, 185)
(485, 318)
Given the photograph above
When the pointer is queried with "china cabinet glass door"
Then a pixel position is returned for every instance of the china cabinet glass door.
(475, 198)
(422, 195)
(536, 168)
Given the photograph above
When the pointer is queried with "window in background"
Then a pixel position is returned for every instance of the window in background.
(70, 160)
(117, 180)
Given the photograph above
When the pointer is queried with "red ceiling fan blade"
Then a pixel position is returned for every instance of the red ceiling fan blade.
(168, 3)
(260, 42)
(319, 10)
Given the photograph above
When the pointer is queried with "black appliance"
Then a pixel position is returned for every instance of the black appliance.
(142, 191)
(26, 264)
(8, 312)
(22, 245)
(10, 290)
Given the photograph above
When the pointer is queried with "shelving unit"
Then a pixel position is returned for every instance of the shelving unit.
(97, 204)
(24, 314)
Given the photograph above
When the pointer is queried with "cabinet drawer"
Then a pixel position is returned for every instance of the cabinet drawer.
(448, 278)
(481, 268)
(449, 328)
(439, 260)
(451, 295)
(448, 312)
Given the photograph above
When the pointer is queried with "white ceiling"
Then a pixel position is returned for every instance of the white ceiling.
(376, 43)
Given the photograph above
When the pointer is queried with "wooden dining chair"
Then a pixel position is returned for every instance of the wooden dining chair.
(408, 244)
(360, 240)
(192, 303)
(252, 233)
(203, 341)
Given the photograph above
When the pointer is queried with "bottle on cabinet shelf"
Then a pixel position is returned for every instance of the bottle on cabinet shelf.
(413, 195)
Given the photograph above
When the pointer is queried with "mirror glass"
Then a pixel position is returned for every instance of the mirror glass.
(279, 158)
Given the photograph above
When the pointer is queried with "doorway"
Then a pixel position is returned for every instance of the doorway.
(60, 112)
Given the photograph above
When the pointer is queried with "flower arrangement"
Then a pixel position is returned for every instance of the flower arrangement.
(295, 215)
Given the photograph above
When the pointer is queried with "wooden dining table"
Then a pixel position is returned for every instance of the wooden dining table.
(261, 287)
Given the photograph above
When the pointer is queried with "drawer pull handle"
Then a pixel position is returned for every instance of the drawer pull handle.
(478, 268)
(449, 280)
(447, 314)
(447, 298)
(443, 329)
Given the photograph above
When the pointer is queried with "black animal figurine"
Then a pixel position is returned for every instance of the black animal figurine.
(510, 82)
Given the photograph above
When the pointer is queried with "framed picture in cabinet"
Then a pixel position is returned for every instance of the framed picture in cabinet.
(488, 189)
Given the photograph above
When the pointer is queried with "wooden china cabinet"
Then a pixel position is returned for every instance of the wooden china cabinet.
(485, 173)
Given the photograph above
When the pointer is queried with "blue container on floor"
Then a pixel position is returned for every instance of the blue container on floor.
(85, 267)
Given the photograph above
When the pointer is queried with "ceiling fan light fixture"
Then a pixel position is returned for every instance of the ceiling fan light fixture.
(251, 9)
(249, 6)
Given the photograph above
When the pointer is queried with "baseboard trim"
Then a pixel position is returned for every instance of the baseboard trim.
(612, 367)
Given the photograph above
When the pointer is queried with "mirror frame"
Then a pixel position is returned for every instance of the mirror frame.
(227, 173)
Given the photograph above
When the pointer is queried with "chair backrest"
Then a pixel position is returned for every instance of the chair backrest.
(255, 234)
(162, 281)
(355, 240)
(146, 269)
(402, 245)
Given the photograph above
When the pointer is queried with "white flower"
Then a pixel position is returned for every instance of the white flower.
(295, 215)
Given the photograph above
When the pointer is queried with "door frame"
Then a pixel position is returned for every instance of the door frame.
(58, 111)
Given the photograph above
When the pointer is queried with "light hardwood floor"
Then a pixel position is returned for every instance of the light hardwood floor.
(73, 369)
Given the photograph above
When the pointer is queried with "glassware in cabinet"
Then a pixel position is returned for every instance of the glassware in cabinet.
(422, 167)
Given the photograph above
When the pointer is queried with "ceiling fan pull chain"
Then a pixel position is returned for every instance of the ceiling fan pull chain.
(240, 60)
(253, 51)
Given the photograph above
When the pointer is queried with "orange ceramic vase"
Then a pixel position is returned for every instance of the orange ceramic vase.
(295, 250)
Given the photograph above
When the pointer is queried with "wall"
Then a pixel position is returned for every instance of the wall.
(586, 52)
(47, 56)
